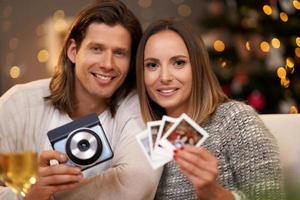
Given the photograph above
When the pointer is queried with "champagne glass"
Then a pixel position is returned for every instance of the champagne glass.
(18, 170)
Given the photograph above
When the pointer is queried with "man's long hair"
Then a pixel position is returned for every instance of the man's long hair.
(109, 12)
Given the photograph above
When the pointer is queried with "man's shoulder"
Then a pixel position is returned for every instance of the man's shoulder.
(34, 89)
(129, 107)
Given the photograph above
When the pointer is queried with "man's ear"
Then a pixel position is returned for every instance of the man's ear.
(72, 51)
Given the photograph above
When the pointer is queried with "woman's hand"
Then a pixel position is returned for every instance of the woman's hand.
(53, 178)
(201, 168)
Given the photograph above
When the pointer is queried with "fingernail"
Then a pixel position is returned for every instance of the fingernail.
(181, 148)
(175, 151)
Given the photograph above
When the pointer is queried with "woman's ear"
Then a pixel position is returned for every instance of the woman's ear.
(72, 51)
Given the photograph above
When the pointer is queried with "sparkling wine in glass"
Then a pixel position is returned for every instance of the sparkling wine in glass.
(18, 170)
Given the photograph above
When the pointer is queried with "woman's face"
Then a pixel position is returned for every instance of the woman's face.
(168, 72)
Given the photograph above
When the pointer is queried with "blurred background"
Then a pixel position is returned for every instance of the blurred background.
(254, 46)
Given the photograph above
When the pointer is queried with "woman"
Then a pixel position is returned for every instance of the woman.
(240, 159)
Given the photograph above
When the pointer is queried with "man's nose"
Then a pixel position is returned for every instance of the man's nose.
(107, 60)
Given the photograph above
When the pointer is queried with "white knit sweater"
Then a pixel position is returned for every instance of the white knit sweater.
(26, 118)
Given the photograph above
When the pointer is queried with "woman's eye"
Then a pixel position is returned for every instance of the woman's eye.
(151, 66)
(179, 63)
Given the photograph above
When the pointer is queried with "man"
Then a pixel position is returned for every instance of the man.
(95, 73)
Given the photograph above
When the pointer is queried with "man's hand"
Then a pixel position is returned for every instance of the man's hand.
(53, 178)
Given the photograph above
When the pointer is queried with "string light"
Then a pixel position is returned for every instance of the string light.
(264, 46)
(297, 52)
(285, 82)
(281, 72)
(267, 9)
(293, 110)
(296, 4)
(248, 47)
(219, 45)
(275, 43)
(283, 16)
(298, 41)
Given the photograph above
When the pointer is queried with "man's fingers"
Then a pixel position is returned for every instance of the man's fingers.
(59, 170)
(46, 156)
(57, 180)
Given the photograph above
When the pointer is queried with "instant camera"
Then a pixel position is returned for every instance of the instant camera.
(83, 141)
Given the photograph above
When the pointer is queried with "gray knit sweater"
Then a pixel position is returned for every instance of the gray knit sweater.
(247, 153)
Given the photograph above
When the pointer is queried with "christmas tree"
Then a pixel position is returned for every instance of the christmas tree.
(254, 47)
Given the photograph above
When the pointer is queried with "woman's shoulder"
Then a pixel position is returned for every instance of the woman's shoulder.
(234, 108)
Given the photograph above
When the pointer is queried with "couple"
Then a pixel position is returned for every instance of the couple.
(102, 56)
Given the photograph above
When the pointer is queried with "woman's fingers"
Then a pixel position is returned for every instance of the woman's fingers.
(197, 158)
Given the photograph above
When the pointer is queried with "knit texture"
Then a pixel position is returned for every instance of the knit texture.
(247, 153)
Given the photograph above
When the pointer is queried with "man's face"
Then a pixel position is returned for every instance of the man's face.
(102, 61)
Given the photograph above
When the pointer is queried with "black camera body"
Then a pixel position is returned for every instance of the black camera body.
(83, 141)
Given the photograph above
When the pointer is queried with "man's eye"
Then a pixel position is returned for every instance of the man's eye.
(96, 49)
(151, 66)
(120, 53)
(180, 63)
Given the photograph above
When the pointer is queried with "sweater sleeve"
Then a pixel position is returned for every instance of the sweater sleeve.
(131, 177)
(254, 156)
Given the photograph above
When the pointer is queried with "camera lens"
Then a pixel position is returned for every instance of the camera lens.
(83, 145)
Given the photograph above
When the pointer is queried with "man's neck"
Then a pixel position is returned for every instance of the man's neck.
(87, 104)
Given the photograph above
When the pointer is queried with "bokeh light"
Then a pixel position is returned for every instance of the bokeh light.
(248, 47)
(275, 43)
(281, 72)
(267, 9)
(296, 4)
(58, 14)
(293, 110)
(219, 45)
(298, 41)
(145, 3)
(285, 82)
(264, 46)
(7, 11)
(283, 16)
(13, 43)
(15, 72)
(297, 52)
(43, 56)
(184, 10)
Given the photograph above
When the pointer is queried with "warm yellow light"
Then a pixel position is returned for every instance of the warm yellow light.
(285, 82)
(275, 43)
(248, 47)
(145, 3)
(296, 4)
(298, 41)
(264, 46)
(58, 14)
(219, 45)
(184, 10)
(43, 56)
(284, 17)
(60, 25)
(281, 73)
(293, 110)
(14, 72)
(7, 11)
(290, 62)
(297, 52)
(267, 9)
